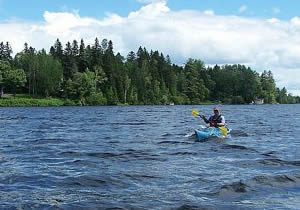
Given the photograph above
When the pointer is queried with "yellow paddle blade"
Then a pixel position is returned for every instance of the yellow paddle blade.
(195, 112)
(223, 129)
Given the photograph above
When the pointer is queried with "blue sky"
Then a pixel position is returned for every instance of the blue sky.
(34, 9)
(262, 34)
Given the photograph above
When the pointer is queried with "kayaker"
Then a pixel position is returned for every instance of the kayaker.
(216, 120)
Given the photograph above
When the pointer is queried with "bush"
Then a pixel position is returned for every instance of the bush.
(69, 102)
(238, 100)
(96, 99)
(24, 102)
(179, 100)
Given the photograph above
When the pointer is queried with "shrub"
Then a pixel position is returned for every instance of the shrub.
(24, 102)
(96, 99)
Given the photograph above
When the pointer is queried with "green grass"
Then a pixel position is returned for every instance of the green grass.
(25, 100)
(19, 101)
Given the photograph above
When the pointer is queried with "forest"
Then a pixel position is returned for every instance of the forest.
(80, 74)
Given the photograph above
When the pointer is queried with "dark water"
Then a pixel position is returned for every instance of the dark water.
(144, 157)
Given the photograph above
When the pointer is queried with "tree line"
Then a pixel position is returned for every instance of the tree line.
(96, 75)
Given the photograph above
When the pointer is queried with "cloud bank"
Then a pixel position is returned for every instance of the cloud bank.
(263, 44)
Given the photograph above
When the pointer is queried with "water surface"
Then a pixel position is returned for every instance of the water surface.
(145, 157)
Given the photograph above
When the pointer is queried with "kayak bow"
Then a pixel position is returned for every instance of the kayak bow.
(209, 132)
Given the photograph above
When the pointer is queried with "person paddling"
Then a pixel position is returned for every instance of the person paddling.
(216, 120)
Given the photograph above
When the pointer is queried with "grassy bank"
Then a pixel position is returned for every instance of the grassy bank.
(25, 101)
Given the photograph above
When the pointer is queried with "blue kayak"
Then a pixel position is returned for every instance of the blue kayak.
(208, 132)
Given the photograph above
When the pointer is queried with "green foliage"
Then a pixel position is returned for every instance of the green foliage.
(81, 86)
(96, 75)
(5, 51)
(268, 87)
(96, 99)
(195, 88)
(4, 66)
(234, 84)
(237, 100)
(111, 97)
(27, 60)
(14, 79)
(24, 102)
(50, 75)
(69, 102)
(180, 99)
(99, 77)
(283, 97)
(11, 78)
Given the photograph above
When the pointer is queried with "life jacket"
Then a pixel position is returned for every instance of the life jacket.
(213, 121)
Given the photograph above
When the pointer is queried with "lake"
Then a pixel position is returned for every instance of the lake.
(146, 157)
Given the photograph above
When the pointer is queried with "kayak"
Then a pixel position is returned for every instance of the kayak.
(208, 132)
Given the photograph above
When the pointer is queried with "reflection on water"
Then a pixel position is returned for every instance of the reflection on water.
(145, 157)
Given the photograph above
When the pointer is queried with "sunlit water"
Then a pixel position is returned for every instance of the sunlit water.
(145, 157)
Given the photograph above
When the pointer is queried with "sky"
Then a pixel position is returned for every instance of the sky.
(264, 35)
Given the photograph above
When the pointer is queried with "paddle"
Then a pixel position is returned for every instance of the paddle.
(195, 112)
(223, 129)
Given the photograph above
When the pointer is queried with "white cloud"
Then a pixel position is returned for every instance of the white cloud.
(273, 20)
(243, 8)
(263, 44)
(209, 12)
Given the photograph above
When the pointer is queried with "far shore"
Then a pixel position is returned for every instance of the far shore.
(23, 100)
(8, 100)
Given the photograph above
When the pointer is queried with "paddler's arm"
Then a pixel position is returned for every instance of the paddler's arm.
(204, 118)
(222, 123)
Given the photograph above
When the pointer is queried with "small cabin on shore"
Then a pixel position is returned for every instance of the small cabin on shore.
(258, 101)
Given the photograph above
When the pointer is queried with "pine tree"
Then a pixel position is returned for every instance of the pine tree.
(57, 50)
(82, 57)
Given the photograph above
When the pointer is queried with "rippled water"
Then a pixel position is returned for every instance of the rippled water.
(145, 157)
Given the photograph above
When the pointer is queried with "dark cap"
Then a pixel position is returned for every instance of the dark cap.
(217, 109)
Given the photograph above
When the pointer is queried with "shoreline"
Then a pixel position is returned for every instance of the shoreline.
(21, 101)
(55, 102)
